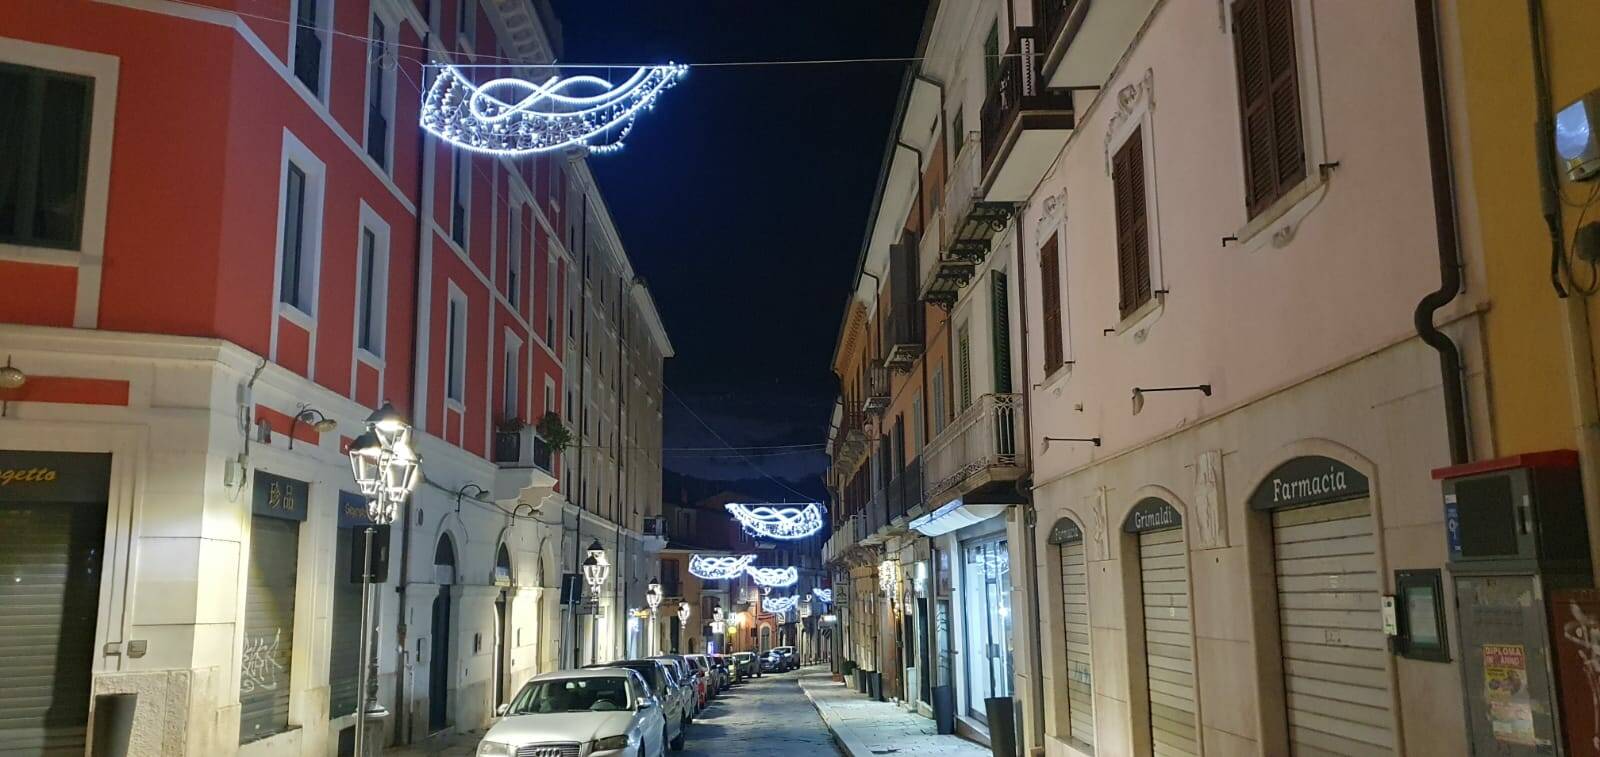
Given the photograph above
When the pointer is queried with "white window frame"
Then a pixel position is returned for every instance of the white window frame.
(1138, 103)
(373, 222)
(552, 294)
(391, 24)
(460, 168)
(324, 25)
(550, 397)
(514, 255)
(104, 70)
(455, 366)
(316, 172)
(511, 377)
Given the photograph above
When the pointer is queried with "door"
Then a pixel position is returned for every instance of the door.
(1168, 641)
(50, 556)
(1075, 624)
(439, 664)
(500, 629)
(1336, 680)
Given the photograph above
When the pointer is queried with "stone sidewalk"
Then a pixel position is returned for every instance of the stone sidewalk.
(864, 728)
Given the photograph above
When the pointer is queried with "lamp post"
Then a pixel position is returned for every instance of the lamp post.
(595, 571)
(652, 597)
(683, 620)
(386, 470)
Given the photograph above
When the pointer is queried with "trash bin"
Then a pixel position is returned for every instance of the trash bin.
(1002, 726)
(944, 709)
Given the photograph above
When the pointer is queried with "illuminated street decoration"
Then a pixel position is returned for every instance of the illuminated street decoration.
(779, 605)
(823, 595)
(717, 568)
(778, 521)
(888, 574)
(515, 116)
(770, 577)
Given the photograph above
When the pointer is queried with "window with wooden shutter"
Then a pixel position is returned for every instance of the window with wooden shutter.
(1050, 295)
(1133, 226)
(1269, 100)
(963, 367)
(1000, 300)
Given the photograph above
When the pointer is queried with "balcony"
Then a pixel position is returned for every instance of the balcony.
(525, 461)
(877, 388)
(1080, 41)
(905, 491)
(874, 517)
(1024, 124)
(962, 230)
(978, 454)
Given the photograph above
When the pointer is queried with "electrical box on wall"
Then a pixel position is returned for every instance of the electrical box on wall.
(1516, 533)
(1576, 140)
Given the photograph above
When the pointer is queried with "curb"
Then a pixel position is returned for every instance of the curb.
(848, 742)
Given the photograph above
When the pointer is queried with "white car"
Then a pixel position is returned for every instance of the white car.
(601, 712)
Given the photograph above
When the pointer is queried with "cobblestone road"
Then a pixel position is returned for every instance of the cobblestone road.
(767, 716)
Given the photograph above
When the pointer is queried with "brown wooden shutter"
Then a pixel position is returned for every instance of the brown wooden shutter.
(1269, 100)
(1133, 227)
(1050, 273)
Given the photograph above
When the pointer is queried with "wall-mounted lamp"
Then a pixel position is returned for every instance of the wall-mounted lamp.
(12, 377)
(314, 418)
(469, 489)
(1095, 440)
(1139, 393)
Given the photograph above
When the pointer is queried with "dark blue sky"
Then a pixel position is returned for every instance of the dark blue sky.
(742, 199)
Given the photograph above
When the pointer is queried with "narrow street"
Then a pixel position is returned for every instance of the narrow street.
(769, 715)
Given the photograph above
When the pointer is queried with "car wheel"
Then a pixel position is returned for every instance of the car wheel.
(683, 736)
(663, 751)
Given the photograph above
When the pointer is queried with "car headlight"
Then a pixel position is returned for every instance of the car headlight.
(494, 749)
(609, 743)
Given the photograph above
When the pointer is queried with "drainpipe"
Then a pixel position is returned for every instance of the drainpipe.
(583, 416)
(420, 299)
(1444, 213)
(1575, 311)
(1034, 722)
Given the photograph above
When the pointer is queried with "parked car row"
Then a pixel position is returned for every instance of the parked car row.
(780, 659)
(630, 708)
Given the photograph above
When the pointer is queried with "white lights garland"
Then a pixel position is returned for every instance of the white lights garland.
(779, 605)
(717, 568)
(778, 521)
(771, 577)
(514, 116)
(823, 595)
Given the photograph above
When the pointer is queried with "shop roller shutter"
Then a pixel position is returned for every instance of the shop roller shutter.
(268, 627)
(344, 658)
(1168, 642)
(1075, 623)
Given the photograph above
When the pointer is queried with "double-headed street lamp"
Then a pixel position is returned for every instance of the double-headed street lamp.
(595, 571)
(386, 470)
(652, 597)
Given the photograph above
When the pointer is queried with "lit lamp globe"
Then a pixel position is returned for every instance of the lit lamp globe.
(652, 595)
(683, 613)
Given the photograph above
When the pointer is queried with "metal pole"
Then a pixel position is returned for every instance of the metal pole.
(366, 625)
(594, 628)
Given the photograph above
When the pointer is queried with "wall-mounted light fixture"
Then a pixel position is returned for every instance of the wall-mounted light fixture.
(12, 377)
(315, 419)
(469, 489)
(1095, 440)
(1139, 393)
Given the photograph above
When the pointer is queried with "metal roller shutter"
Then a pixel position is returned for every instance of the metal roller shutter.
(1168, 641)
(268, 627)
(1075, 622)
(50, 589)
(345, 654)
(1334, 652)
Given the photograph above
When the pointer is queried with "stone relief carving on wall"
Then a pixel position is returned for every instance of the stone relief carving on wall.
(1210, 504)
(1129, 101)
(1098, 545)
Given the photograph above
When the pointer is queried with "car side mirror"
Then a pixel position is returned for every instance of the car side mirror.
(502, 710)
(647, 703)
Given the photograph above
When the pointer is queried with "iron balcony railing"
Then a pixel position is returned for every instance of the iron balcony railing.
(1051, 18)
(983, 437)
(905, 491)
(522, 448)
(877, 388)
(1016, 89)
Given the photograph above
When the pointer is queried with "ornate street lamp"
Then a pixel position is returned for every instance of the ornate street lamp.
(683, 613)
(386, 470)
(652, 597)
(595, 571)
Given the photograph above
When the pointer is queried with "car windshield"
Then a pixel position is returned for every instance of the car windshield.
(597, 694)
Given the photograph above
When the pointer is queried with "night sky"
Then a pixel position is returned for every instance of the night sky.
(742, 199)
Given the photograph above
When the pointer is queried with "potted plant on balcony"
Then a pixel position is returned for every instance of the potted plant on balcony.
(508, 440)
(550, 436)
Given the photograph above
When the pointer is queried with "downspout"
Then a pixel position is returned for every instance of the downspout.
(419, 366)
(1030, 513)
(583, 415)
(1575, 309)
(1447, 233)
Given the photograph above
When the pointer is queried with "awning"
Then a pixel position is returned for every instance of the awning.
(956, 515)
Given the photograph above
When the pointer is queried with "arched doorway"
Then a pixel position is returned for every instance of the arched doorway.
(1067, 537)
(444, 569)
(1157, 528)
(766, 639)
(502, 624)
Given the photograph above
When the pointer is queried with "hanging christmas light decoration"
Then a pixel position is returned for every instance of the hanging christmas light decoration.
(778, 605)
(515, 116)
(718, 568)
(823, 595)
(770, 577)
(780, 521)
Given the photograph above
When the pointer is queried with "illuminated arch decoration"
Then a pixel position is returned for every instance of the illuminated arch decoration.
(780, 521)
(717, 568)
(515, 116)
(778, 605)
(824, 596)
(773, 577)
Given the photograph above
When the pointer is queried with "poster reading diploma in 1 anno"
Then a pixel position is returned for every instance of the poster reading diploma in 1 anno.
(1505, 682)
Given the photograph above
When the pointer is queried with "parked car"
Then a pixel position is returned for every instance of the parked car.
(791, 659)
(715, 682)
(772, 662)
(729, 667)
(748, 666)
(608, 712)
(691, 675)
(663, 685)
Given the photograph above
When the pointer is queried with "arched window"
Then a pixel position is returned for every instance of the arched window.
(444, 561)
(502, 567)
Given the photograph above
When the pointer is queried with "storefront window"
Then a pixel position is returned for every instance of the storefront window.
(986, 600)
